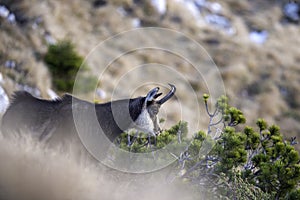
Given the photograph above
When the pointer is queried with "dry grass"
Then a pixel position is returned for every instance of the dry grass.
(31, 171)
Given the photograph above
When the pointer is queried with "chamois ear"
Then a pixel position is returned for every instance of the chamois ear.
(152, 94)
(157, 95)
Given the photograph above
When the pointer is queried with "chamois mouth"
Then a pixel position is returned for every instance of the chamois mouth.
(168, 96)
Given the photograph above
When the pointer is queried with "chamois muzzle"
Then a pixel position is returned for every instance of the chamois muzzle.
(168, 96)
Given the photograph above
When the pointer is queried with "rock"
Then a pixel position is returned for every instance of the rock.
(49, 39)
(292, 11)
(4, 101)
(37, 22)
(99, 3)
(214, 7)
(220, 22)
(11, 18)
(10, 64)
(136, 22)
(101, 93)
(4, 12)
(258, 37)
(160, 6)
(122, 11)
(34, 91)
(1, 78)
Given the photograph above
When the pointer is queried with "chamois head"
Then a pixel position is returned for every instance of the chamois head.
(147, 121)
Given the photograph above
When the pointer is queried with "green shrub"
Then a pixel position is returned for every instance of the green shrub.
(260, 156)
(64, 62)
(139, 142)
(240, 163)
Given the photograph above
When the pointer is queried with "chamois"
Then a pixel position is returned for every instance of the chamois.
(45, 119)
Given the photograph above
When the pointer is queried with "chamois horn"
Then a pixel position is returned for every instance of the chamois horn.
(168, 96)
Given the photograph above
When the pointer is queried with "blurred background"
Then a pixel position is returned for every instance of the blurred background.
(255, 45)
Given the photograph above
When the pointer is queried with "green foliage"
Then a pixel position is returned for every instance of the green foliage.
(294, 195)
(200, 145)
(238, 163)
(275, 165)
(231, 150)
(64, 62)
(262, 124)
(231, 115)
(205, 97)
(139, 142)
(252, 138)
(263, 158)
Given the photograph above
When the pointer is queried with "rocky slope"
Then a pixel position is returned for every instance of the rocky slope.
(255, 45)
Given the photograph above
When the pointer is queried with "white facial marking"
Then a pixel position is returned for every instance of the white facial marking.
(144, 123)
